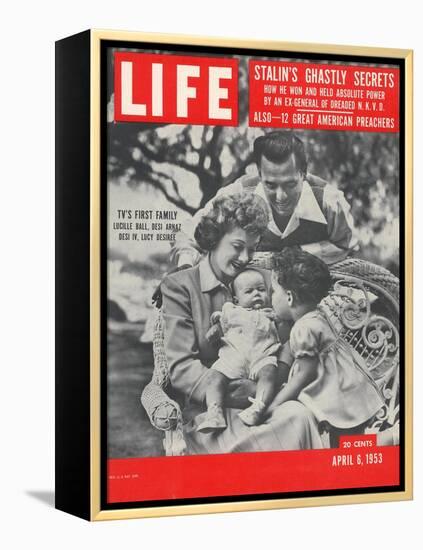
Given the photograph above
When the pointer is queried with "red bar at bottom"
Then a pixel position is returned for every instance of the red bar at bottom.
(166, 478)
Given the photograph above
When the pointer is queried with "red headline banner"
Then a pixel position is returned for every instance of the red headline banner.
(175, 89)
(326, 97)
(358, 465)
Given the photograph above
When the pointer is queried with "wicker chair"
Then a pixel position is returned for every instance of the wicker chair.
(363, 308)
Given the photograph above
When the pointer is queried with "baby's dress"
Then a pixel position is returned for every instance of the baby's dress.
(250, 341)
(343, 392)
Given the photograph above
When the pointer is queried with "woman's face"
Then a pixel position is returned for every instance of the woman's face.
(232, 253)
(280, 301)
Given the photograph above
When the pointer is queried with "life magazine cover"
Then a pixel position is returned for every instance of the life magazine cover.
(254, 274)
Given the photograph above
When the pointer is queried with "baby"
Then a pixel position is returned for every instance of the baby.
(326, 376)
(249, 350)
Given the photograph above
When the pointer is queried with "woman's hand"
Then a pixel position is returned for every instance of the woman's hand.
(238, 393)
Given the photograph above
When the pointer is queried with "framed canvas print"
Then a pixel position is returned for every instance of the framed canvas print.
(233, 275)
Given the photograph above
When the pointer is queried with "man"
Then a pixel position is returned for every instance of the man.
(303, 209)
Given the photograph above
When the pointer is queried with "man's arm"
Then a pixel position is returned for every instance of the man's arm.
(341, 231)
(185, 250)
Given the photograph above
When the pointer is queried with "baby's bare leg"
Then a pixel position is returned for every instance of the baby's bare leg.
(216, 390)
(215, 396)
(267, 384)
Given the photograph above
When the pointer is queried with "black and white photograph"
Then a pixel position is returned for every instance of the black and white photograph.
(253, 286)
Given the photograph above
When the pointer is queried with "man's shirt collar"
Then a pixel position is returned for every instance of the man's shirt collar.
(307, 209)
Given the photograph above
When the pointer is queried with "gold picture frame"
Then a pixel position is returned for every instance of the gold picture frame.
(81, 468)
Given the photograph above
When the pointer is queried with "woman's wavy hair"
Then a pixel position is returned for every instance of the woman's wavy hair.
(244, 209)
(305, 275)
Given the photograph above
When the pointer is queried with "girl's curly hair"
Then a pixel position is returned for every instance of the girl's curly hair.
(305, 275)
(244, 209)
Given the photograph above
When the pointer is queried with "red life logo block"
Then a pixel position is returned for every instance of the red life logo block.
(175, 89)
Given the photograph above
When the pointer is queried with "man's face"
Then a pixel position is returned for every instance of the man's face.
(282, 183)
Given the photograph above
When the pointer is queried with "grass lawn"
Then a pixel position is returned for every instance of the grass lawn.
(130, 366)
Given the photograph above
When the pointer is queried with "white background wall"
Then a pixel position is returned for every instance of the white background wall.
(28, 32)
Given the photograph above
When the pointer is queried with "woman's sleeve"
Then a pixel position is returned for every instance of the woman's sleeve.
(305, 338)
(182, 352)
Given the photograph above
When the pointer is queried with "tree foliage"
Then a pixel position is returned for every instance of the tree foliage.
(173, 158)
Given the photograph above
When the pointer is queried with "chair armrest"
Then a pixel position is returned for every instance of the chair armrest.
(163, 412)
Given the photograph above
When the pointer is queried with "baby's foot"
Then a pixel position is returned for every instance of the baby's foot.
(214, 420)
(253, 414)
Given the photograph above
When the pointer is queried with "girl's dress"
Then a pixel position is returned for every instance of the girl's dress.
(343, 392)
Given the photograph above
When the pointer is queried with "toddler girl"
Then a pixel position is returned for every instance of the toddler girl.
(326, 376)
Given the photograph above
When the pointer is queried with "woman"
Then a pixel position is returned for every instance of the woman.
(229, 233)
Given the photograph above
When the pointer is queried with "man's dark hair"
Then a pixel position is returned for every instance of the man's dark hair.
(305, 275)
(278, 147)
